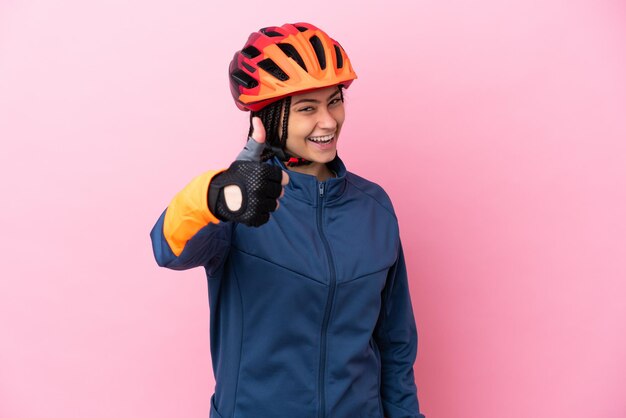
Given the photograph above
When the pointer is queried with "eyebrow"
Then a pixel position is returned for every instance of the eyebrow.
(315, 101)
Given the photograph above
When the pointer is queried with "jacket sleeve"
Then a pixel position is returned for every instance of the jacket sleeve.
(187, 234)
(396, 338)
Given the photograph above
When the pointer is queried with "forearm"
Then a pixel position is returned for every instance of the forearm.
(396, 337)
(187, 234)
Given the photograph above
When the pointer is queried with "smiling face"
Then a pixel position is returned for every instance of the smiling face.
(315, 120)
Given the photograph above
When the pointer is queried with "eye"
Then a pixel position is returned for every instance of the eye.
(305, 109)
(335, 101)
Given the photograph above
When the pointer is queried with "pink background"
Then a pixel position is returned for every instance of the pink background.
(497, 127)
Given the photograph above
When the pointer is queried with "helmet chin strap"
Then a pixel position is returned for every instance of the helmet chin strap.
(289, 160)
(296, 162)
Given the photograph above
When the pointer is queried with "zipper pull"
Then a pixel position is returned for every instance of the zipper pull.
(321, 186)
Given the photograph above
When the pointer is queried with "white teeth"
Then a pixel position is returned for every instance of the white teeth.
(326, 138)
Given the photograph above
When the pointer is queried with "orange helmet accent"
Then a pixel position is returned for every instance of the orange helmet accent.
(279, 61)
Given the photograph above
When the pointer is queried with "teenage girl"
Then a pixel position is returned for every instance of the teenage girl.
(310, 312)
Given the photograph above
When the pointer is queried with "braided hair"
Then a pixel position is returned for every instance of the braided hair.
(270, 115)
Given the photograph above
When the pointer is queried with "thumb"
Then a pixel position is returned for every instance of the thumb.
(256, 142)
(258, 130)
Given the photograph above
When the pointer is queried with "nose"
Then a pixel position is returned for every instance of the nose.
(326, 119)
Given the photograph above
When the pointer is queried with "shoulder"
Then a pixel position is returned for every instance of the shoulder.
(370, 190)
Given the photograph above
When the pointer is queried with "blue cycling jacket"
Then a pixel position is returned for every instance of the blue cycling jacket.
(310, 314)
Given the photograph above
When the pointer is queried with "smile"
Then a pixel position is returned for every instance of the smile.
(321, 139)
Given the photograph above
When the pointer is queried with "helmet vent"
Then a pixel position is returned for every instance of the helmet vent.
(243, 79)
(319, 51)
(291, 52)
(248, 67)
(250, 52)
(270, 66)
(270, 33)
(302, 28)
(339, 57)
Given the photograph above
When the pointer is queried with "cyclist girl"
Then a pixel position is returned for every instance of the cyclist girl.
(310, 312)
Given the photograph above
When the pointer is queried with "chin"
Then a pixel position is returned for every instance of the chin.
(315, 157)
(323, 159)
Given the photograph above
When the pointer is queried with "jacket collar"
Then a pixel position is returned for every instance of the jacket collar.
(306, 187)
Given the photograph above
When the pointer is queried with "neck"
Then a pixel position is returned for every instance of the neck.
(319, 170)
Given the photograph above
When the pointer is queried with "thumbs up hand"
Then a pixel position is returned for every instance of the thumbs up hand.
(249, 190)
(256, 143)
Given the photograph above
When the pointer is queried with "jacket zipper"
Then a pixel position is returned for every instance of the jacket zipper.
(329, 305)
